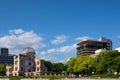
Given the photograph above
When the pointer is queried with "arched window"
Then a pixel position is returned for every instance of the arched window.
(29, 64)
(29, 58)
(29, 70)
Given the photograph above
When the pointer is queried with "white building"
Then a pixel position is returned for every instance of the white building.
(97, 52)
(118, 49)
(108, 41)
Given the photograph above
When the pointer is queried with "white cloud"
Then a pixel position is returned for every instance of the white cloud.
(64, 60)
(68, 59)
(82, 38)
(68, 49)
(49, 58)
(20, 39)
(118, 37)
(53, 51)
(63, 49)
(61, 54)
(43, 53)
(59, 39)
(17, 31)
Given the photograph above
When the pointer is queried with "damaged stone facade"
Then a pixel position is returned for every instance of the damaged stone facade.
(26, 64)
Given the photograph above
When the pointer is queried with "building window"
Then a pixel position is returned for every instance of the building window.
(28, 74)
(29, 58)
(29, 70)
(29, 64)
(38, 69)
(16, 62)
(15, 74)
(10, 69)
(16, 57)
(16, 68)
(32, 74)
(21, 68)
(38, 63)
(21, 62)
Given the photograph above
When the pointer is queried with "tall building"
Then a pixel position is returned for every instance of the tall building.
(5, 58)
(4, 51)
(26, 64)
(88, 47)
(107, 41)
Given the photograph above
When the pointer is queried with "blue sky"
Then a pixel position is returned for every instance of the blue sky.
(53, 27)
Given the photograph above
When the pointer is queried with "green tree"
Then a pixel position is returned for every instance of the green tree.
(58, 68)
(48, 64)
(82, 65)
(116, 65)
(2, 69)
(54, 68)
(70, 64)
(105, 61)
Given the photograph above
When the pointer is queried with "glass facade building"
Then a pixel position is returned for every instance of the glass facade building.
(5, 58)
(89, 47)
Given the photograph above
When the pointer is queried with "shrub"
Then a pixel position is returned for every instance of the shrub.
(103, 76)
(15, 78)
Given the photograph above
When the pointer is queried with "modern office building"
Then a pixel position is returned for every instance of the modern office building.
(26, 64)
(88, 47)
(5, 57)
(4, 51)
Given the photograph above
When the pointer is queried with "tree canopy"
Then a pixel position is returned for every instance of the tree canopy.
(106, 62)
(2, 69)
(55, 68)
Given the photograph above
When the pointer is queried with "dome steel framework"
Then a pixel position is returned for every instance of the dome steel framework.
(28, 50)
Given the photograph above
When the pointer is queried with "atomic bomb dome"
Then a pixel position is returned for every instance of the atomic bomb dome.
(28, 50)
(26, 64)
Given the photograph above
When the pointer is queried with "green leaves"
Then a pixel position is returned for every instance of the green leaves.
(82, 64)
(105, 62)
(79, 65)
(2, 69)
(56, 68)
(70, 65)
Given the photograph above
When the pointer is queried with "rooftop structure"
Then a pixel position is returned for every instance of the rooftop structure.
(89, 47)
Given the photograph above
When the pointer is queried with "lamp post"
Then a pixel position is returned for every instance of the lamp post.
(115, 73)
(92, 73)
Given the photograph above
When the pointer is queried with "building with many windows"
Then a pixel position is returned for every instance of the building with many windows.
(4, 51)
(26, 64)
(5, 57)
(88, 47)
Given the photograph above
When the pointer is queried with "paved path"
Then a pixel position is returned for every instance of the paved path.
(24, 79)
(34, 79)
(88, 79)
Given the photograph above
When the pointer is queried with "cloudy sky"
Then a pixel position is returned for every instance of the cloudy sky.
(53, 27)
